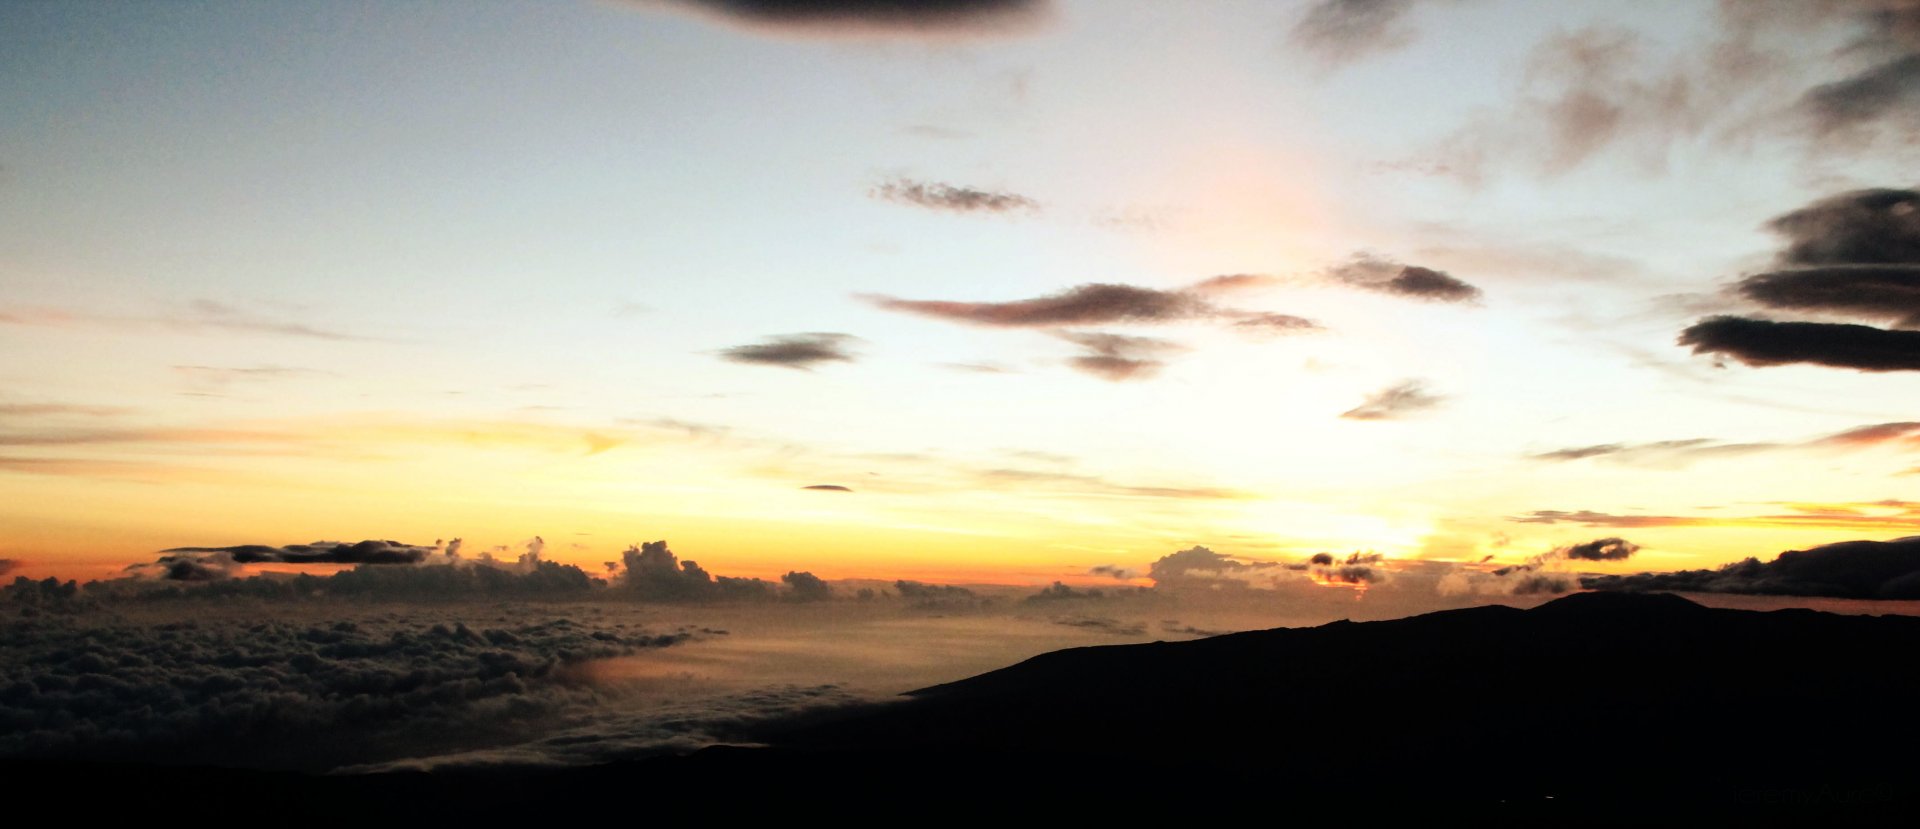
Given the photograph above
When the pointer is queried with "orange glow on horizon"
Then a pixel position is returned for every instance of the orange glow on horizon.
(1326, 579)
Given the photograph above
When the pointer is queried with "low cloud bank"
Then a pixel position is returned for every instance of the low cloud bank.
(392, 571)
(296, 694)
(1543, 574)
(1846, 570)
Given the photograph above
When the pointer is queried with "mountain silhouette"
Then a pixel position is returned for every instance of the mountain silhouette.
(1599, 696)
(1601, 706)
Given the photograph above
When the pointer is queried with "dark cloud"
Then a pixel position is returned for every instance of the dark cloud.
(872, 17)
(1539, 575)
(188, 568)
(1196, 562)
(655, 572)
(1848, 570)
(1351, 559)
(1354, 570)
(441, 578)
(1394, 402)
(1889, 292)
(1758, 342)
(1341, 30)
(1202, 568)
(1854, 254)
(1090, 304)
(1111, 357)
(1109, 570)
(1118, 357)
(796, 351)
(827, 488)
(1604, 549)
(8, 565)
(652, 572)
(1386, 276)
(939, 196)
(803, 586)
(921, 594)
(1861, 227)
(200, 564)
(320, 552)
(1889, 88)
(1347, 574)
(27, 598)
(1887, 35)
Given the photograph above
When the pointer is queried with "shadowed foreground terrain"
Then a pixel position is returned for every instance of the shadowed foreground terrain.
(1591, 706)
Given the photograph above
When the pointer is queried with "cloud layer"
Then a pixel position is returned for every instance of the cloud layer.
(298, 694)
(1540, 575)
(1847, 570)
(651, 572)
(1199, 568)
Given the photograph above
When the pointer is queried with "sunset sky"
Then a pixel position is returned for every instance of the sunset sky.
(811, 290)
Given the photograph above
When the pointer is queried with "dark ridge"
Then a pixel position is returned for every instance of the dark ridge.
(1596, 707)
(1590, 696)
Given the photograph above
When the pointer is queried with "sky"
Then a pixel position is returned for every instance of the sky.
(992, 291)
